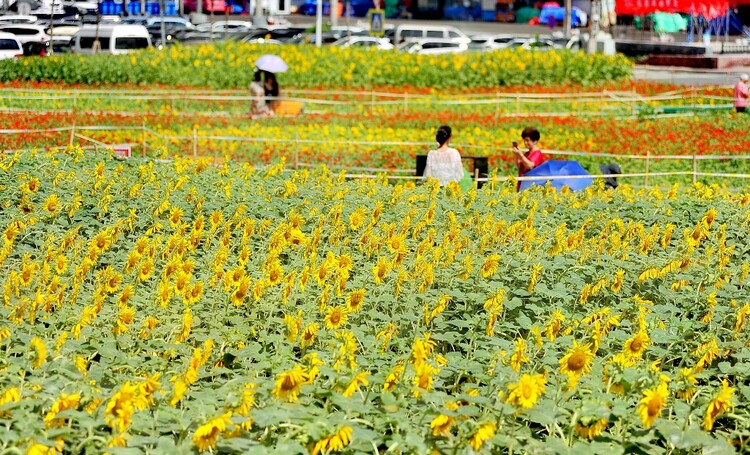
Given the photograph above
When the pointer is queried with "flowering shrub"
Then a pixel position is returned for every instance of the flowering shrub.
(324, 138)
(165, 306)
(230, 64)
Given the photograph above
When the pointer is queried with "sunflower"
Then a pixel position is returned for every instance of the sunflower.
(483, 434)
(359, 379)
(591, 428)
(336, 317)
(275, 273)
(309, 334)
(205, 436)
(519, 356)
(181, 283)
(164, 293)
(40, 352)
(380, 270)
(577, 362)
(175, 216)
(63, 403)
(527, 391)
(490, 265)
(288, 383)
(31, 186)
(333, 443)
(193, 293)
(355, 299)
(357, 219)
(112, 283)
(61, 264)
(636, 345)
(241, 291)
(52, 204)
(441, 425)
(686, 382)
(145, 270)
(722, 403)
(652, 403)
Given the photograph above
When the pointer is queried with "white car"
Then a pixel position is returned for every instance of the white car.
(10, 47)
(225, 26)
(17, 19)
(490, 42)
(365, 41)
(532, 44)
(26, 32)
(432, 46)
(261, 40)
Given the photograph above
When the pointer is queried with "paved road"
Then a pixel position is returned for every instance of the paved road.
(687, 76)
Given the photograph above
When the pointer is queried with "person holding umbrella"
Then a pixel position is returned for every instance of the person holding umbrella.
(533, 157)
(258, 106)
(271, 91)
(270, 65)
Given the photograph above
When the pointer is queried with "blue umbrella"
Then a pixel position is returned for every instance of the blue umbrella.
(554, 168)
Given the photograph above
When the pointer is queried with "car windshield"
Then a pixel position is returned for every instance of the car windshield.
(131, 43)
(8, 45)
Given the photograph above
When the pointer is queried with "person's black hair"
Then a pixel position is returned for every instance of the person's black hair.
(531, 133)
(274, 90)
(257, 75)
(443, 134)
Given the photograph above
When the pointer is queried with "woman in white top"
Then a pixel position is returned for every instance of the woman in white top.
(444, 163)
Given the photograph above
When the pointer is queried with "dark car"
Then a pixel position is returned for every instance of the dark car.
(35, 48)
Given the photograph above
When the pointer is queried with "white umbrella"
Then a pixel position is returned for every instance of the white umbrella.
(271, 63)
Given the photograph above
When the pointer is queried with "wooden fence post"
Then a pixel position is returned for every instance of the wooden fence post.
(648, 160)
(143, 138)
(195, 143)
(695, 169)
(406, 102)
(73, 126)
(296, 150)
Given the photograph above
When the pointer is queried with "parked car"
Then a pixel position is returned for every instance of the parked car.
(36, 49)
(433, 46)
(490, 42)
(10, 47)
(113, 39)
(537, 44)
(170, 22)
(17, 19)
(283, 35)
(407, 31)
(61, 44)
(365, 41)
(225, 26)
(26, 32)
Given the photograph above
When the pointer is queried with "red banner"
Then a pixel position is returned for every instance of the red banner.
(709, 9)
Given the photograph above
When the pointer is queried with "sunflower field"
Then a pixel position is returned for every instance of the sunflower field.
(230, 65)
(173, 306)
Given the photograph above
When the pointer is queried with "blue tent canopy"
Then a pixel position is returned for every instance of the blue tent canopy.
(558, 169)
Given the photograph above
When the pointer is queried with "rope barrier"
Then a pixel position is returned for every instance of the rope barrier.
(236, 95)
